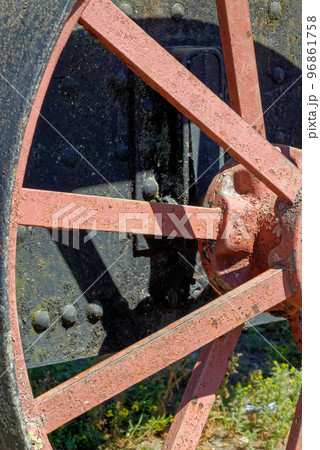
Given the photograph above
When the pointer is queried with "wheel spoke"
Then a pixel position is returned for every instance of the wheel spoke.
(191, 97)
(132, 365)
(240, 61)
(295, 436)
(60, 210)
(295, 322)
(200, 394)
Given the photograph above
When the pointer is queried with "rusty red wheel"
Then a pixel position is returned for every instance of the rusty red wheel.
(259, 272)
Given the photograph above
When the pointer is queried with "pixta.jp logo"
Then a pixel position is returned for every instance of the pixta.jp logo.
(70, 218)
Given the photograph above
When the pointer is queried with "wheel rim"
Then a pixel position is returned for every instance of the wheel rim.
(32, 420)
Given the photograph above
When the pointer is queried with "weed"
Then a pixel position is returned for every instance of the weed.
(260, 408)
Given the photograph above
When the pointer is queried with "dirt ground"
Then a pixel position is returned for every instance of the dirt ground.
(214, 437)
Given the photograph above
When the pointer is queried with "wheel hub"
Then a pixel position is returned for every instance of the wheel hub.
(258, 229)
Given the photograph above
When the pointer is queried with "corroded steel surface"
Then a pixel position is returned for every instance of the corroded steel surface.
(201, 392)
(240, 61)
(289, 227)
(221, 316)
(246, 234)
(174, 82)
(128, 367)
(40, 208)
(257, 230)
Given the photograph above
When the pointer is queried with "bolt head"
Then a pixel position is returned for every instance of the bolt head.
(70, 157)
(275, 9)
(148, 105)
(278, 75)
(68, 85)
(278, 137)
(94, 311)
(150, 189)
(41, 320)
(122, 151)
(69, 315)
(177, 11)
(127, 9)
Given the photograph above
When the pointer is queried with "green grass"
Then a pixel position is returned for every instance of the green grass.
(276, 397)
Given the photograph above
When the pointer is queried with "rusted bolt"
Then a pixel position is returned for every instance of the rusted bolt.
(281, 206)
(69, 315)
(69, 157)
(278, 137)
(177, 11)
(94, 312)
(275, 9)
(41, 320)
(278, 75)
(122, 151)
(68, 85)
(126, 8)
(150, 189)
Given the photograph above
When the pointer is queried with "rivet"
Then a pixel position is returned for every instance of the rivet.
(120, 81)
(148, 105)
(21, 233)
(70, 157)
(122, 150)
(278, 75)
(94, 311)
(126, 8)
(68, 85)
(177, 11)
(278, 137)
(171, 298)
(150, 189)
(281, 206)
(69, 315)
(41, 320)
(275, 9)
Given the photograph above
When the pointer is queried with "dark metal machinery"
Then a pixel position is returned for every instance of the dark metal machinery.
(107, 133)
